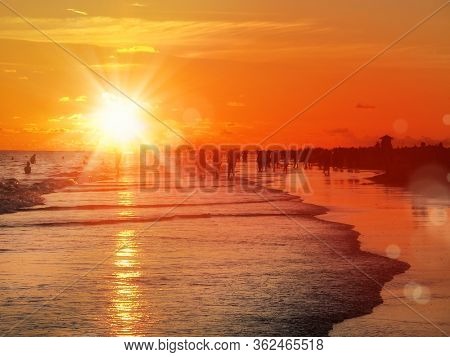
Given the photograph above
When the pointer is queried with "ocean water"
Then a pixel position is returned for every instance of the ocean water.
(105, 258)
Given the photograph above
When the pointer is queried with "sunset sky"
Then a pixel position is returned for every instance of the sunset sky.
(224, 72)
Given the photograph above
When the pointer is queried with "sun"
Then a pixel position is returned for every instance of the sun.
(118, 120)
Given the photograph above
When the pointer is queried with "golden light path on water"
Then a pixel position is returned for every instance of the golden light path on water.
(129, 307)
(125, 312)
(126, 199)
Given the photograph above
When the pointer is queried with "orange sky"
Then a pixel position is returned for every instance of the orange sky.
(225, 72)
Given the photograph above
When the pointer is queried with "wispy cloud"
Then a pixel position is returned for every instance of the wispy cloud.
(79, 12)
(182, 37)
(9, 70)
(74, 117)
(137, 49)
(235, 104)
(81, 98)
(364, 106)
(138, 4)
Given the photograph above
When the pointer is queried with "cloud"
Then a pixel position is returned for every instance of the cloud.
(30, 128)
(138, 4)
(81, 98)
(340, 131)
(45, 131)
(75, 117)
(79, 12)
(235, 104)
(184, 38)
(24, 78)
(9, 70)
(137, 49)
(364, 106)
(115, 65)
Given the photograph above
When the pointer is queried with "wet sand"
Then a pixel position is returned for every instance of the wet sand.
(398, 223)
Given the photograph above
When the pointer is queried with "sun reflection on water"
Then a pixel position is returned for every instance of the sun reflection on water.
(125, 311)
(126, 198)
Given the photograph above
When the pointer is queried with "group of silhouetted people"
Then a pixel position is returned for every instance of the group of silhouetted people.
(274, 159)
(27, 168)
(233, 156)
(265, 159)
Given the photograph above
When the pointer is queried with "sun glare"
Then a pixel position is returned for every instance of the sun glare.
(118, 120)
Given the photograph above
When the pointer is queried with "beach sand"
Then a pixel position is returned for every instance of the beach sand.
(398, 223)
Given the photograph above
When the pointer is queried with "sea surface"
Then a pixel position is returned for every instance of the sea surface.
(190, 257)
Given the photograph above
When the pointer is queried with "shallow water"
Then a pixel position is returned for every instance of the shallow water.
(105, 258)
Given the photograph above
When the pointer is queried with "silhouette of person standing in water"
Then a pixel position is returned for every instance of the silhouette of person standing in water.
(245, 156)
(276, 160)
(286, 160)
(216, 163)
(33, 159)
(231, 163)
(201, 164)
(27, 168)
(259, 160)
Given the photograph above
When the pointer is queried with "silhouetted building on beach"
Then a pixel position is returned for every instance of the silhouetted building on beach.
(386, 143)
(386, 151)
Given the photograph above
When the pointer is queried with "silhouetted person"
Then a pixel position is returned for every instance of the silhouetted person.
(294, 156)
(268, 159)
(202, 161)
(27, 168)
(286, 161)
(231, 160)
(244, 156)
(216, 162)
(33, 159)
(259, 160)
